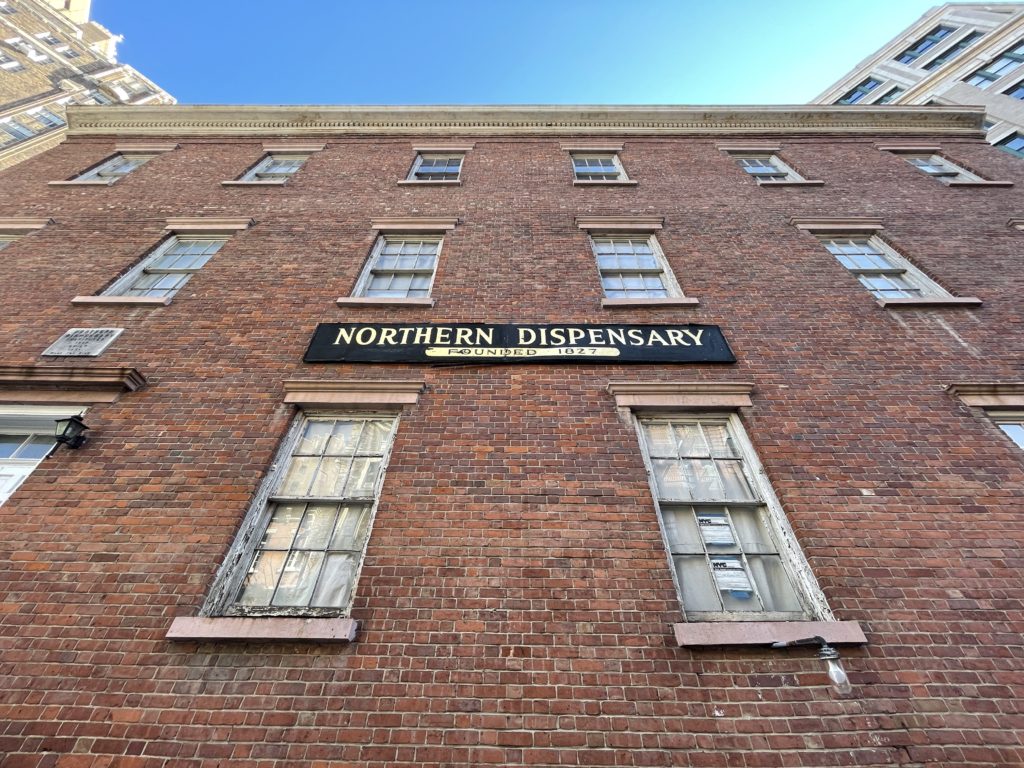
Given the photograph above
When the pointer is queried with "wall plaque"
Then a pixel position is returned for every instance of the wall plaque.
(483, 342)
(83, 342)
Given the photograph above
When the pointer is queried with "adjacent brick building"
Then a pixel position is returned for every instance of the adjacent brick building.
(600, 404)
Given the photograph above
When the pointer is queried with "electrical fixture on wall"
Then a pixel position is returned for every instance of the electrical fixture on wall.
(71, 431)
(836, 674)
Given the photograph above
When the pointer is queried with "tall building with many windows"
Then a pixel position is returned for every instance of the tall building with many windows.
(526, 436)
(52, 56)
(957, 53)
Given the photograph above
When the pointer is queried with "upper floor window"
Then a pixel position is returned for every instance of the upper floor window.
(15, 130)
(1014, 144)
(400, 267)
(725, 531)
(889, 95)
(1012, 424)
(9, 63)
(860, 92)
(954, 50)
(436, 167)
(47, 118)
(939, 167)
(29, 50)
(1016, 91)
(275, 167)
(766, 168)
(880, 269)
(633, 266)
(165, 271)
(1006, 63)
(598, 167)
(910, 55)
(26, 438)
(118, 166)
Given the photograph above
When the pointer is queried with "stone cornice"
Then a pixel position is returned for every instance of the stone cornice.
(181, 121)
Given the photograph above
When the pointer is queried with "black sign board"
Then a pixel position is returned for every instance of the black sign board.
(483, 343)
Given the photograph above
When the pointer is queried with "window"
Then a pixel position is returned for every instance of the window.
(6, 240)
(598, 167)
(436, 167)
(165, 271)
(6, 7)
(97, 97)
(889, 95)
(400, 266)
(766, 168)
(1014, 144)
(953, 51)
(633, 266)
(910, 55)
(1012, 424)
(9, 63)
(118, 166)
(26, 438)
(881, 270)
(860, 91)
(314, 519)
(939, 167)
(722, 526)
(1005, 64)
(47, 118)
(28, 49)
(47, 38)
(1016, 91)
(15, 131)
(275, 167)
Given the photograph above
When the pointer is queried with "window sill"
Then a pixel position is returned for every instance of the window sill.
(709, 634)
(370, 301)
(254, 183)
(185, 628)
(82, 183)
(931, 301)
(983, 183)
(604, 183)
(430, 183)
(676, 301)
(141, 301)
(793, 183)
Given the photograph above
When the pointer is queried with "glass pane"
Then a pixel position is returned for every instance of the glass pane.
(1015, 432)
(281, 529)
(299, 477)
(375, 434)
(37, 447)
(351, 529)
(699, 591)
(689, 441)
(345, 438)
(330, 478)
(715, 530)
(363, 478)
(736, 486)
(704, 480)
(681, 530)
(751, 531)
(718, 439)
(314, 437)
(671, 482)
(734, 585)
(773, 583)
(660, 441)
(9, 444)
(298, 578)
(259, 584)
(335, 583)
(317, 526)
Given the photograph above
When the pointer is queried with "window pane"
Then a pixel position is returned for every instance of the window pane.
(298, 579)
(37, 447)
(330, 476)
(317, 526)
(9, 444)
(1015, 432)
(350, 531)
(734, 585)
(335, 585)
(773, 584)
(259, 584)
(690, 440)
(660, 439)
(681, 530)
(734, 481)
(299, 477)
(282, 527)
(751, 531)
(362, 478)
(699, 591)
(314, 437)
(345, 438)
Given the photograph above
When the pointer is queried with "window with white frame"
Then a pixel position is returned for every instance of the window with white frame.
(15, 131)
(598, 166)
(115, 168)
(732, 552)
(1004, 65)
(47, 118)
(1012, 423)
(433, 166)
(954, 50)
(890, 95)
(26, 438)
(633, 266)
(926, 43)
(939, 167)
(165, 271)
(9, 63)
(880, 269)
(311, 520)
(276, 166)
(860, 92)
(28, 49)
(401, 266)
(766, 167)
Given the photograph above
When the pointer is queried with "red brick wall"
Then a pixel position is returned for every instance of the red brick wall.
(516, 601)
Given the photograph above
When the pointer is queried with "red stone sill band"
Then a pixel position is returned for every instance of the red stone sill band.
(200, 628)
(710, 634)
(679, 301)
(254, 183)
(931, 301)
(979, 183)
(371, 301)
(793, 183)
(82, 183)
(139, 301)
(431, 182)
(604, 183)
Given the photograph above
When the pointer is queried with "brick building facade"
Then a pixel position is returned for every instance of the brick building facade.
(260, 561)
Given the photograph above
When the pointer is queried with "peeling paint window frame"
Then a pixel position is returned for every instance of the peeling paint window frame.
(797, 569)
(901, 267)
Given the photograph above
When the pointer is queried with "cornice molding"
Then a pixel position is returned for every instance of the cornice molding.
(414, 223)
(681, 394)
(989, 394)
(838, 224)
(180, 121)
(353, 392)
(21, 225)
(620, 223)
(211, 224)
(63, 383)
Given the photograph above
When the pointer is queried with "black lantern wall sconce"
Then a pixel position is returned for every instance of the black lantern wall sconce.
(70, 431)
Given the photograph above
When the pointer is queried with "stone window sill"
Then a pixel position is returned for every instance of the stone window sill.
(982, 183)
(793, 183)
(185, 628)
(604, 183)
(254, 183)
(82, 183)
(141, 301)
(710, 634)
(430, 183)
(931, 301)
(678, 301)
(370, 301)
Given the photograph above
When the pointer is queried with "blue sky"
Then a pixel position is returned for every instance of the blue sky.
(500, 51)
